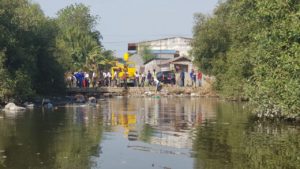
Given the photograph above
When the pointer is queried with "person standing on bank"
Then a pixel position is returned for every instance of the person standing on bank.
(142, 75)
(154, 73)
(149, 78)
(199, 77)
(108, 75)
(137, 79)
(182, 76)
(192, 77)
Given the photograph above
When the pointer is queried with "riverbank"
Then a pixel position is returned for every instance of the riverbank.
(205, 91)
(167, 90)
(170, 91)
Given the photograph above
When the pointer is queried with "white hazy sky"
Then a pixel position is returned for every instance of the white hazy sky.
(125, 21)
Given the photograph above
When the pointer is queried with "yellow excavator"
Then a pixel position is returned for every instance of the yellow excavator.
(125, 71)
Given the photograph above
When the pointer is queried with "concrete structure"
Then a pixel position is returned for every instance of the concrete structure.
(154, 64)
(175, 64)
(180, 44)
(172, 54)
(160, 56)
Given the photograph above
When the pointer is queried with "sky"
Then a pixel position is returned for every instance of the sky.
(128, 21)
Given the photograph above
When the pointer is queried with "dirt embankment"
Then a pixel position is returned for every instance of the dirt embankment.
(203, 91)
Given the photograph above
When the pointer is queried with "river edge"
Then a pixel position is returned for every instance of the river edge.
(150, 92)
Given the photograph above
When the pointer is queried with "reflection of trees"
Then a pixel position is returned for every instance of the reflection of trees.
(272, 147)
(79, 141)
(51, 140)
(146, 133)
(229, 143)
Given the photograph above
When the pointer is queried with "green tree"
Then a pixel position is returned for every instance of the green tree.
(252, 48)
(146, 54)
(77, 42)
(25, 41)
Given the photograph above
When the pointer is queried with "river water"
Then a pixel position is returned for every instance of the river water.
(146, 133)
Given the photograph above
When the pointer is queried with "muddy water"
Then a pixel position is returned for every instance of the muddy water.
(138, 133)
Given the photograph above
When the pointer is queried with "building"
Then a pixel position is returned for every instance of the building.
(181, 45)
(163, 55)
(154, 64)
(176, 64)
(171, 54)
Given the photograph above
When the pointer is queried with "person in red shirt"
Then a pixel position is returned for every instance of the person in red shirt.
(199, 78)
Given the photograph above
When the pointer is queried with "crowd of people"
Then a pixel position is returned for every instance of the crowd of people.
(89, 79)
(107, 79)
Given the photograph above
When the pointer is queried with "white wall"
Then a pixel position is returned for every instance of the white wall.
(152, 65)
(183, 45)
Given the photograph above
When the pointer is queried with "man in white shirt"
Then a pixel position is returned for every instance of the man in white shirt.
(104, 78)
(87, 79)
(137, 79)
(115, 78)
(94, 78)
(158, 85)
(143, 79)
(108, 75)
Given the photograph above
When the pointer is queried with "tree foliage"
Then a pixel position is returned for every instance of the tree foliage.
(78, 42)
(252, 47)
(146, 54)
(27, 40)
(35, 50)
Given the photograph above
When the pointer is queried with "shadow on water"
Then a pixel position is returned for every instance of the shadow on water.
(162, 133)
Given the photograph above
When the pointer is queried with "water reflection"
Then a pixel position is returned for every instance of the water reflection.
(65, 138)
(152, 132)
(214, 134)
(159, 121)
(234, 141)
(146, 133)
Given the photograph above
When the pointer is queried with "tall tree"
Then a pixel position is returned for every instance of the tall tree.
(77, 41)
(252, 47)
(27, 46)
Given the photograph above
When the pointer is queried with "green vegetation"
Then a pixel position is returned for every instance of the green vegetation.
(146, 54)
(78, 42)
(252, 47)
(35, 50)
